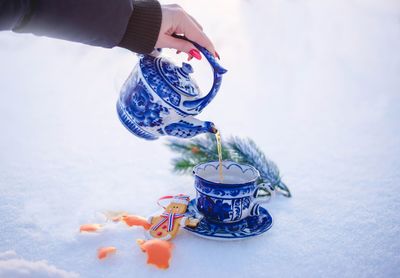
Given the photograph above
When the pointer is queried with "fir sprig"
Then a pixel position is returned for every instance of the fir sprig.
(204, 149)
(246, 151)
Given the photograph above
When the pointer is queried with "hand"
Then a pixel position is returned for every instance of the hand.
(176, 21)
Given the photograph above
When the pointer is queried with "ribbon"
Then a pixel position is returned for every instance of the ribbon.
(170, 217)
(179, 196)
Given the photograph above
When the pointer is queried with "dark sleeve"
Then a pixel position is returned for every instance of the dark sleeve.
(12, 12)
(107, 23)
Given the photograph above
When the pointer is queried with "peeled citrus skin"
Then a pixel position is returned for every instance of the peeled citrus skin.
(89, 228)
(133, 220)
(104, 252)
(158, 251)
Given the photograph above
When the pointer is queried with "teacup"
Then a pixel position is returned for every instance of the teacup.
(235, 197)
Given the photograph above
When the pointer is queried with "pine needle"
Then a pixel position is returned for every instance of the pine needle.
(203, 149)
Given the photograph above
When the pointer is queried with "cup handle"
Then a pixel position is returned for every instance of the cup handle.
(263, 193)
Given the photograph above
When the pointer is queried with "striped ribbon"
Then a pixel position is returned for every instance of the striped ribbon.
(170, 217)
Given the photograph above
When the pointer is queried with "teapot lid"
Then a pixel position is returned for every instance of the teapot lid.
(178, 78)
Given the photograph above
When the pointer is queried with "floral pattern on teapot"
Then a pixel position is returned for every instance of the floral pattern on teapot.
(160, 98)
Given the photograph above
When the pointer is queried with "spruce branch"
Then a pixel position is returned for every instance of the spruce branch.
(204, 149)
(182, 165)
(246, 151)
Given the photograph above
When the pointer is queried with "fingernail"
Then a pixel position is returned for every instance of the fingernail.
(217, 55)
(195, 53)
(178, 51)
(190, 57)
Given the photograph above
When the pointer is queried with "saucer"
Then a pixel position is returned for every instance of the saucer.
(248, 227)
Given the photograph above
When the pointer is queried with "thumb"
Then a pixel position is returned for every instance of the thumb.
(178, 44)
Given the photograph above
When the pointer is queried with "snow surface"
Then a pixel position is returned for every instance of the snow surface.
(315, 83)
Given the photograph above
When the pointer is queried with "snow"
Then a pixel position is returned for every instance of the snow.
(13, 266)
(314, 83)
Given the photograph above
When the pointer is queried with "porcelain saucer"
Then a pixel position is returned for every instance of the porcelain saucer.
(248, 227)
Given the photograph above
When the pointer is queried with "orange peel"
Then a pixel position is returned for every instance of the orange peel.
(115, 216)
(104, 252)
(134, 220)
(159, 252)
(89, 228)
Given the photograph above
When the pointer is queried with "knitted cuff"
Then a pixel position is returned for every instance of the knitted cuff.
(143, 27)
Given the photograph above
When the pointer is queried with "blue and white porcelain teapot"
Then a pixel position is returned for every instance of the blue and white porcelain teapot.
(160, 98)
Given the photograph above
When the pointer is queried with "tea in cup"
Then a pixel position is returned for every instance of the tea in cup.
(235, 197)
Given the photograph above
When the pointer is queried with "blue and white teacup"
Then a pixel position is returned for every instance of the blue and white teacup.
(235, 197)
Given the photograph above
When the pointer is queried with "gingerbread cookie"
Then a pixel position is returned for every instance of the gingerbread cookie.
(166, 225)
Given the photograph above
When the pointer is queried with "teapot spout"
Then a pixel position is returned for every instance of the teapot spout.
(189, 127)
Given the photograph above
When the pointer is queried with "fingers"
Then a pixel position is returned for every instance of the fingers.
(181, 46)
(192, 31)
(175, 20)
(196, 22)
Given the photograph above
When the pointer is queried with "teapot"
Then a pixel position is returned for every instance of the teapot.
(160, 98)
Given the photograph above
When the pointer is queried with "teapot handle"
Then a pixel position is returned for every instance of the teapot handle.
(218, 71)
